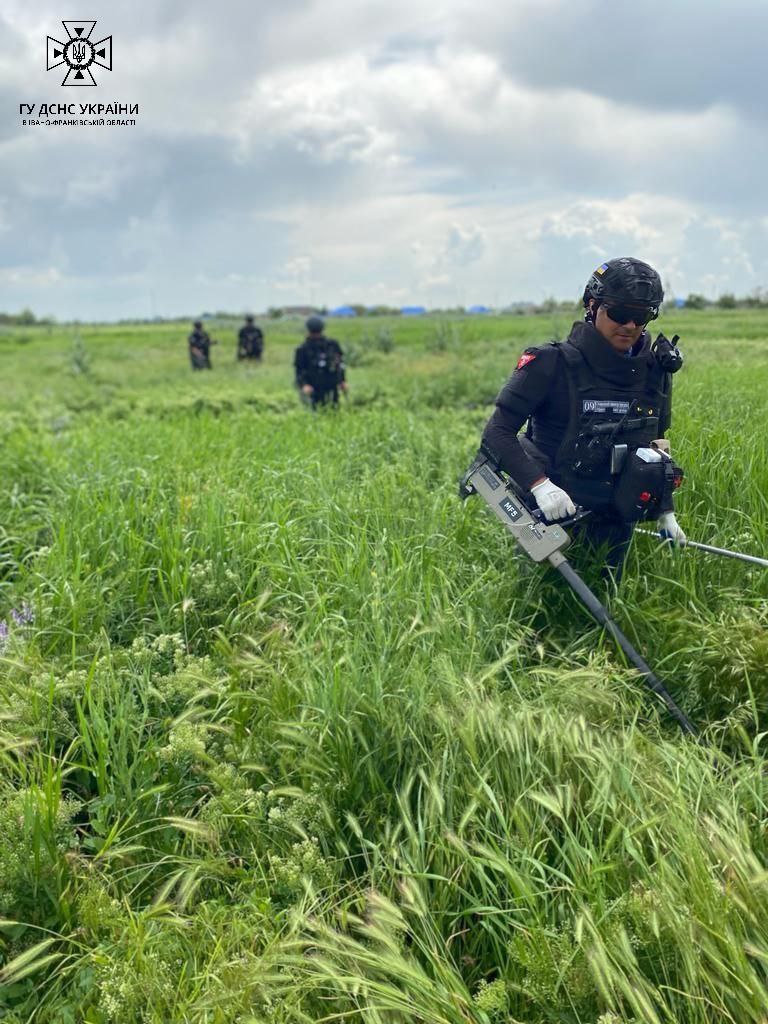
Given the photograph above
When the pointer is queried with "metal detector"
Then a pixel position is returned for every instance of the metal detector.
(545, 542)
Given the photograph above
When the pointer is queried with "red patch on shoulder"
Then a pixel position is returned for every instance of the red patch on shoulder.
(525, 358)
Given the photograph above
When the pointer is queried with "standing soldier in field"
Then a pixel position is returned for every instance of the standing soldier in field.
(319, 364)
(597, 406)
(250, 341)
(200, 347)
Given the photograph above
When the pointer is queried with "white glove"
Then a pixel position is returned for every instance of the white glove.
(670, 529)
(553, 501)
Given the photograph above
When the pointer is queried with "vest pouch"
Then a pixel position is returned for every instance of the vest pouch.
(619, 454)
(645, 485)
(588, 456)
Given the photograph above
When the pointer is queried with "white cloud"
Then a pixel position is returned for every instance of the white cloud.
(30, 277)
(385, 152)
(464, 245)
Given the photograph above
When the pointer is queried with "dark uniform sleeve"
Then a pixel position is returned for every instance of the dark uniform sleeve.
(342, 372)
(300, 365)
(525, 391)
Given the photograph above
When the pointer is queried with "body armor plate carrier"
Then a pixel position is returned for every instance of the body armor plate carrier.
(597, 462)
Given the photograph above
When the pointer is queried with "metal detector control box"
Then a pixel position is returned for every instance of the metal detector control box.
(539, 540)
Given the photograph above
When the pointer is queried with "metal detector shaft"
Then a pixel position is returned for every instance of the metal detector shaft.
(712, 550)
(545, 542)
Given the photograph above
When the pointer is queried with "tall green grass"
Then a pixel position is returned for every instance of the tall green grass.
(296, 736)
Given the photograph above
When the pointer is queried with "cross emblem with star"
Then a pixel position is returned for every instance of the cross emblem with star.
(79, 53)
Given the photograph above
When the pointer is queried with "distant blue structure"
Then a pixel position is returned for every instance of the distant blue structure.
(343, 311)
(679, 303)
(478, 309)
(413, 310)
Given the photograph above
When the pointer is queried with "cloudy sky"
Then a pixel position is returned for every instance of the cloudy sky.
(388, 151)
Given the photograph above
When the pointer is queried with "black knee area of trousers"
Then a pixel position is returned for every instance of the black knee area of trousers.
(330, 397)
(607, 540)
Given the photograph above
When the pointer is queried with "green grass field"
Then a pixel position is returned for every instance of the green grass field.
(293, 735)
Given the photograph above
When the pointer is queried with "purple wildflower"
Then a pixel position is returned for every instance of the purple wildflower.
(19, 617)
(24, 616)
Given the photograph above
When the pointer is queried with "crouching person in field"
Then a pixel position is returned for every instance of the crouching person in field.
(597, 407)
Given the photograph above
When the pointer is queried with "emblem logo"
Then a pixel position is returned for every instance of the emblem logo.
(79, 53)
(525, 358)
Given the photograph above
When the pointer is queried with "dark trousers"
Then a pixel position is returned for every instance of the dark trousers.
(606, 541)
(201, 361)
(330, 397)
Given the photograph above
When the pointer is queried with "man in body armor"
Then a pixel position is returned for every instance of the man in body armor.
(597, 408)
(199, 347)
(250, 341)
(319, 364)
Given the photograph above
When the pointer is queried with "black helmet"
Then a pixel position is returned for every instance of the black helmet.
(249, 319)
(625, 281)
(198, 324)
(315, 325)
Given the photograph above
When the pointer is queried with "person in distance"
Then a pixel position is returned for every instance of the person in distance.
(250, 341)
(319, 366)
(199, 347)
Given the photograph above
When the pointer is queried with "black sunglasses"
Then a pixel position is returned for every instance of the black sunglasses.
(626, 314)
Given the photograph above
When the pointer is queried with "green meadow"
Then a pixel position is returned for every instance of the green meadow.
(289, 734)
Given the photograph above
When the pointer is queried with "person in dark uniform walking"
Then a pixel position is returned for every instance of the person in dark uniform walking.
(597, 407)
(199, 347)
(319, 365)
(250, 341)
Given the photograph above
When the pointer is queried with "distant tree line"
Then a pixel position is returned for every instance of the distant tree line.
(757, 299)
(275, 312)
(25, 318)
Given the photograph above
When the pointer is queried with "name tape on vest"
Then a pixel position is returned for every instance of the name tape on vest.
(604, 405)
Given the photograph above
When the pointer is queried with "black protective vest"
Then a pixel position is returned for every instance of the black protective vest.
(621, 406)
